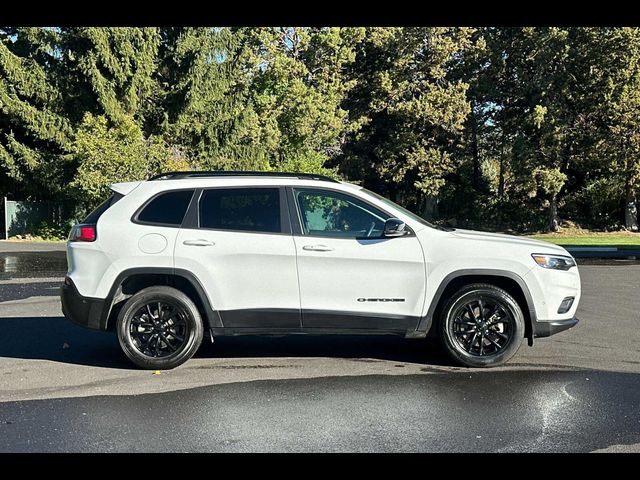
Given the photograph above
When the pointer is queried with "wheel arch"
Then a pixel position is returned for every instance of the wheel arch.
(132, 280)
(511, 282)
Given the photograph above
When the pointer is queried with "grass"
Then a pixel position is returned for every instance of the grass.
(595, 239)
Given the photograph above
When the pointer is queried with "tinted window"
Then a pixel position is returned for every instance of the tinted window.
(250, 209)
(334, 214)
(103, 207)
(167, 208)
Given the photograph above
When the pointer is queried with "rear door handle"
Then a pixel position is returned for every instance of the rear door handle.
(198, 243)
(317, 248)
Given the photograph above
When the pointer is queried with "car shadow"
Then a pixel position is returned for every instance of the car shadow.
(364, 347)
(56, 339)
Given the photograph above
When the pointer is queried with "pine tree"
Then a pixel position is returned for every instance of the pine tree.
(409, 114)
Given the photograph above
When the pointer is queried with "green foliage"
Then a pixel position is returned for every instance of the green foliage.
(501, 128)
(408, 114)
(109, 154)
(50, 233)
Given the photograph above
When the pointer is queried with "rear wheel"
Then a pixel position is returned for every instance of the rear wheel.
(159, 328)
(481, 326)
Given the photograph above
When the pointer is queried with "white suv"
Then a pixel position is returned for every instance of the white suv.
(240, 253)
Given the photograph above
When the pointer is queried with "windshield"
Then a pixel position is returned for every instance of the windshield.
(408, 213)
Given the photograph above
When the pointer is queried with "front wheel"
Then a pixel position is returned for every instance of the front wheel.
(481, 326)
(159, 328)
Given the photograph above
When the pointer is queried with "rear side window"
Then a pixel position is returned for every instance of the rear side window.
(103, 207)
(167, 208)
(248, 209)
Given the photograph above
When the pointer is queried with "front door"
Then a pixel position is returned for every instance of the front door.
(350, 276)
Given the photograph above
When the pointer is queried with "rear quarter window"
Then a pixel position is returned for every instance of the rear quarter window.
(167, 208)
(103, 207)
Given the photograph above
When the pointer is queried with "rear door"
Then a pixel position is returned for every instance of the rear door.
(239, 245)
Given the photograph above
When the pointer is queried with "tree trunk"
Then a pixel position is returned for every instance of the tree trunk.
(630, 207)
(554, 221)
(501, 184)
(501, 178)
(430, 207)
(474, 152)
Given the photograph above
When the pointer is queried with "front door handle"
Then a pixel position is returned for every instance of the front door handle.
(198, 243)
(317, 248)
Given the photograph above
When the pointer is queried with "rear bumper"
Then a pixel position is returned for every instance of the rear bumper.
(546, 329)
(84, 311)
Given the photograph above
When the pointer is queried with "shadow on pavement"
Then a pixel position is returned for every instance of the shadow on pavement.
(58, 340)
(368, 348)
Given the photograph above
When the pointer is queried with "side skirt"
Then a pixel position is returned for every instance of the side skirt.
(226, 332)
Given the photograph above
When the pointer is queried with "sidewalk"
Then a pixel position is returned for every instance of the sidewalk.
(24, 246)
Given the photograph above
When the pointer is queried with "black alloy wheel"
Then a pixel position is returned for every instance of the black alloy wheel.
(159, 328)
(481, 325)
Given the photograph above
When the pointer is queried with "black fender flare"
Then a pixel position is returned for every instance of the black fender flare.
(211, 315)
(427, 320)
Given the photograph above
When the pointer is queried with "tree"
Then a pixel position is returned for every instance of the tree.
(622, 116)
(34, 130)
(109, 154)
(298, 84)
(407, 113)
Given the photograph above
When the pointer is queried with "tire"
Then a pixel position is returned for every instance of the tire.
(501, 324)
(159, 336)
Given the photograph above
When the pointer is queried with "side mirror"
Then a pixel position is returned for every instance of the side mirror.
(394, 227)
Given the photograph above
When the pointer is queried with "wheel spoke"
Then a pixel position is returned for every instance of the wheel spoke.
(141, 322)
(481, 305)
(472, 342)
(147, 344)
(460, 321)
(471, 312)
(481, 344)
(500, 334)
(166, 342)
(498, 346)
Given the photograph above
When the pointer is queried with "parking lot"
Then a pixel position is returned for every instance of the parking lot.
(65, 388)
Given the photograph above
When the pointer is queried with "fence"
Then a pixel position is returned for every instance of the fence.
(25, 217)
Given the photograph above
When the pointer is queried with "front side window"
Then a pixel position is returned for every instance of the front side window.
(167, 208)
(247, 209)
(333, 214)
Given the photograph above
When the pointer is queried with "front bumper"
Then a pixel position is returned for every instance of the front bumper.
(84, 311)
(546, 329)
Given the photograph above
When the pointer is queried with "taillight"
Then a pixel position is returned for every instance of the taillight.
(83, 233)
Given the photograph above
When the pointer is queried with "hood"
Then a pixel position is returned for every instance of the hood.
(541, 246)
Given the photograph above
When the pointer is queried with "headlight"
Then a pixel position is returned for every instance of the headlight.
(554, 262)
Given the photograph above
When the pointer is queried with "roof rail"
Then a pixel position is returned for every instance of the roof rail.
(233, 173)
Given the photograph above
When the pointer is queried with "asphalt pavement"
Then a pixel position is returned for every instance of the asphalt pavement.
(65, 388)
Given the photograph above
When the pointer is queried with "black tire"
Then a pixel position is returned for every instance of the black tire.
(175, 324)
(474, 341)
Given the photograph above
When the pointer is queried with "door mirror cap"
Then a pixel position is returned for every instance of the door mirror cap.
(394, 227)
